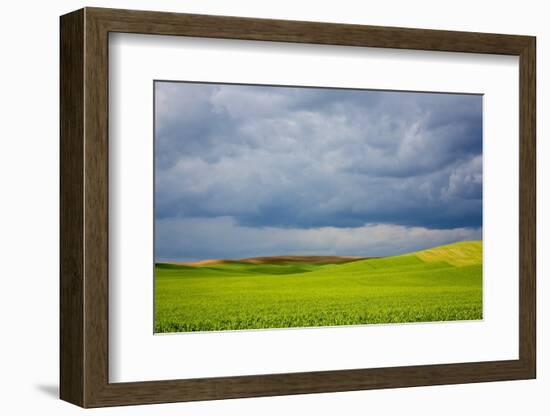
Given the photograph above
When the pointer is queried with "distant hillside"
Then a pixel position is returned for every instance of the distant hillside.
(463, 253)
(277, 260)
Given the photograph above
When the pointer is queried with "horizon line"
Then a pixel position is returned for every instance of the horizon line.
(335, 256)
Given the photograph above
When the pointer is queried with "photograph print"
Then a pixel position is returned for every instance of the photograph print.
(295, 207)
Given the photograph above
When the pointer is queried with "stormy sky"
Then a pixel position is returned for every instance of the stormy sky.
(244, 170)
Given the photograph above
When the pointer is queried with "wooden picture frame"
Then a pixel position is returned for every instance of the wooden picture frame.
(84, 207)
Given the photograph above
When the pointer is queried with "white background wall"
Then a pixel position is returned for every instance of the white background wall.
(29, 206)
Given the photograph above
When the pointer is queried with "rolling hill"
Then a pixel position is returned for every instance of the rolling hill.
(438, 284)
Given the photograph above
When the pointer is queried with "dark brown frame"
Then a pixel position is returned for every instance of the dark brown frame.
(84, 208)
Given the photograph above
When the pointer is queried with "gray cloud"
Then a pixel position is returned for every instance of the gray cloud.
(305, 158)
(200, 238)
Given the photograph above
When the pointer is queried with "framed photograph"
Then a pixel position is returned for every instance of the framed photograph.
(254, 207)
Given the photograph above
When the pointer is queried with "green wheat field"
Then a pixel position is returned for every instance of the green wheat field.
(439, 284)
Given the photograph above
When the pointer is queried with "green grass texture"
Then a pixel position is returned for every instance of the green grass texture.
(439, 284)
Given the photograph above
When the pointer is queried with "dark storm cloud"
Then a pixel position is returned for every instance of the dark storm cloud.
(302, 158)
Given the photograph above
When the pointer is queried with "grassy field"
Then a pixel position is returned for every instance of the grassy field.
(439, 284)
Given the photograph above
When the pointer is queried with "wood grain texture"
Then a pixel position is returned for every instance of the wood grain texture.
(225, 27)
(84, 207)
(71, 208)
(528, 207)
(96, 219)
